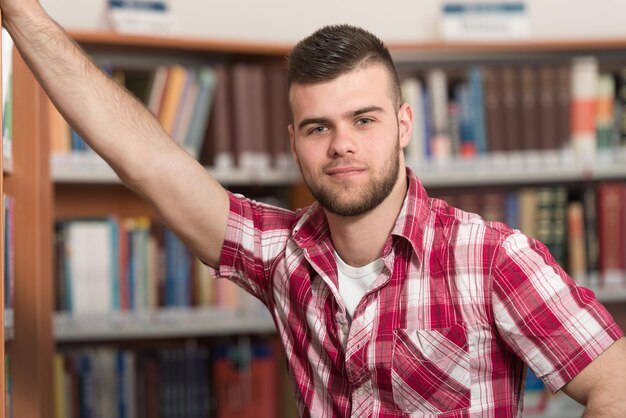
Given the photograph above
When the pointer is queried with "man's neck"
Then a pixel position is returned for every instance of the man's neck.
(359, 240)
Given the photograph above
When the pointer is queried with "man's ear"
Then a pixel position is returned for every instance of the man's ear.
(292, 141)
(405, 124)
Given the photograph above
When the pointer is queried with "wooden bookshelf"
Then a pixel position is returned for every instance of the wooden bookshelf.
(30, 350)
(3, 315)
(91, 39)
(399, 49)
(90, 169)
(164, 324)
(44, 192)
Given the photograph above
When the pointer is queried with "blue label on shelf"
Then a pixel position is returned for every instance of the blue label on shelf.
(482, 8)
(159, 6)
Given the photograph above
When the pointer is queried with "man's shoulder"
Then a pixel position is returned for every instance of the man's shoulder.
(269, 212)
(453, 220)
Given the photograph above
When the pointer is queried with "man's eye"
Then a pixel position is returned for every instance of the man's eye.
(363, 121)
(318, 130)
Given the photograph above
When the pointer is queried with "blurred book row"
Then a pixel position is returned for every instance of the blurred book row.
(235, 115)
(134, 265)
(226, 115)
(511, 109)
(583, 228)
(231, 379)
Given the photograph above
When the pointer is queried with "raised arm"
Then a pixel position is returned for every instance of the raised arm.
(121, 130)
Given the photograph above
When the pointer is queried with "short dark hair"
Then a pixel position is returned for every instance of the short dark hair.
(335, 50)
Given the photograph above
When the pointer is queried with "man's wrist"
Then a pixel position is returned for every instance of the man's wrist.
(26, 18)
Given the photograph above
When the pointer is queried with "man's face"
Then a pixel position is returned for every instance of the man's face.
(347, 138)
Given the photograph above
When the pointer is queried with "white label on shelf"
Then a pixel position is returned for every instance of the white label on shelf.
(484, 20)
(141, 16)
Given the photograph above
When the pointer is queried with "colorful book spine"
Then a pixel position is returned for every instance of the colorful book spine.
(583, 107)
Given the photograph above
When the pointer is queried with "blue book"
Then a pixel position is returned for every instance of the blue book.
(511, 210)
(477, 107)
(428, 124)
(120, 377)
(115, 272)
(86, 385)
(207, 80)
(466, 121)
(131, 267)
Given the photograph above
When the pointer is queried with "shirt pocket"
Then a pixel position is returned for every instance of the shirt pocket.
(430, 370)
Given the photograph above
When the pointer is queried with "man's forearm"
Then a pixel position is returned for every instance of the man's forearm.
(114, 123)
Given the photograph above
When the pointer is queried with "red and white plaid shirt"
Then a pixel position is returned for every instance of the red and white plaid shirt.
(446, 329)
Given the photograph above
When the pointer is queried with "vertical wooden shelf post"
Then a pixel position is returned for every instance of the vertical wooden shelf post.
(31, 350)
(2, 261)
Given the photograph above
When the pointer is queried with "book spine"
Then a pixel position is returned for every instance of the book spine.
(438, 98)
(605, 117)
(583, 108)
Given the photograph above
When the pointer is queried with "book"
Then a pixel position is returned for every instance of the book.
(528, 211)
(564, 106)
(7, 95)
(467, 140)
(9, 250)
(219, 147)
(494, 114)
(611, 220)
(620, 101)
(195, 133)
(90, 268)
(584, 81)
(277, 95)
(604, 113)
(548, 108)
(59, 131)
(185, 108)
(157, 90)
(530, 119)
(177, 77)
(436, 80)
(477, 100)
(512, 109)
(590, 211)
(577, 259)
(550, 221)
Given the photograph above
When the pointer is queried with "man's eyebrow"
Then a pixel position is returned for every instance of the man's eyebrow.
(358, 112)
(367, 109)
(312, 121)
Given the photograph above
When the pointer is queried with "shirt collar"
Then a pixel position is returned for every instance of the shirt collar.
(414, 214)
(312, 227)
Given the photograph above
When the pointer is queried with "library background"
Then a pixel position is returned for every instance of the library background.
(518, 117)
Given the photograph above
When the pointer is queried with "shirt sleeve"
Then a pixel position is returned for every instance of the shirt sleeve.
(256, 234)
(551, 323)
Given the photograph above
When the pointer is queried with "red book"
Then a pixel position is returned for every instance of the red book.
(611, 230)
(548, 108)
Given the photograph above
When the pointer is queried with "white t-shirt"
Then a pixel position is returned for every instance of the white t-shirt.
(354, 282)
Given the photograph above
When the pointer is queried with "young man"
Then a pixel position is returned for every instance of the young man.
(388, 303)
